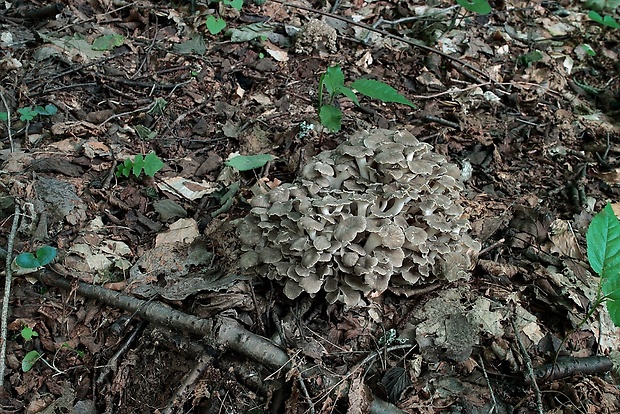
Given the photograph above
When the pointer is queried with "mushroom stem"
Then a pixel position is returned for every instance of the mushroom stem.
(374, 241)
(363, 167)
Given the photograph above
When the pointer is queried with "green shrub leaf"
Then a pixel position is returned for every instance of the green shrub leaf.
(475, 6)
(348, 92)
(4, 116)
(333, 80)
(381, 91)
(603, 240)
(331, 117)
(611, 290)
(40, 258)
(605, 21)
(249, 162)
(29, 360)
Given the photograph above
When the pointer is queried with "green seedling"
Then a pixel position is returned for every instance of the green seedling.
(150, 164)
(28, 113)
(604, 20)
(332, 82)
(216, 24)
(158, 107)
(603, 244)
(28, 333)
(30, 360)
(475, 6)
(40, 258)
(108, 42)
(31, 357)
(249, 162)
(4, 116)
(529, 58)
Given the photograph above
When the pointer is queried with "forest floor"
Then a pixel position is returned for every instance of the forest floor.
(514, 96)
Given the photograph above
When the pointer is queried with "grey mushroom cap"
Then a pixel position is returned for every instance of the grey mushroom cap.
(379, 212)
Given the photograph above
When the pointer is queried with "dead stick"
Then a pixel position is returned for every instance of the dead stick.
(216, 332)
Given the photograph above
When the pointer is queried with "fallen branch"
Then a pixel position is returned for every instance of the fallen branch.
(568, 366)
(216, 332)
(7, 295)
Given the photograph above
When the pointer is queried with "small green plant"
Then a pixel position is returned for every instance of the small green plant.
(475, 6)
(248, 162)
(217, 24)
(30, 360)
(529, 58)
(150, 164)
(108, 42)
(332, 81)
(31, 357)
(29, 113)
(603, 244)
(605, 20)
(28, 333)
(40, 258)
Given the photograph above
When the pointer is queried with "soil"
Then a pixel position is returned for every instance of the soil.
(512, 96)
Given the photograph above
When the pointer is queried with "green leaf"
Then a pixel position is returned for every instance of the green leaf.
(215, 25)
(587, 49)
(124, 169)
(28, 333)
(235, 4)
(137, 164)
(29, 360)
(249, 162)
(47, 111)
(152, 164)
(611, 290)
(529, 58)
(4, 116)
(348, 92)
(40, 258)
(331, 117)
(333, 80)
(603, 241)
(381, 91)
(27, 114)
(476, 6)
(605, 21)
(108, 42)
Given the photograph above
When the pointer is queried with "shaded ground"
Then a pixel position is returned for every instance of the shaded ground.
(540, 134)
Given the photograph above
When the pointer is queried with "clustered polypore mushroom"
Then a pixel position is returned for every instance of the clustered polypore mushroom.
(381, 210)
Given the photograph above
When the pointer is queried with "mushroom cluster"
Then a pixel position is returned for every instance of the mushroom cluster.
(380, 211)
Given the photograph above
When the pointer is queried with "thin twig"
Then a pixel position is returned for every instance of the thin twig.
(8, 121)
(529, 367)
(7, 294)
(486, 377)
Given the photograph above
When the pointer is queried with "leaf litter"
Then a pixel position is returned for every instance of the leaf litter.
(542, 142)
